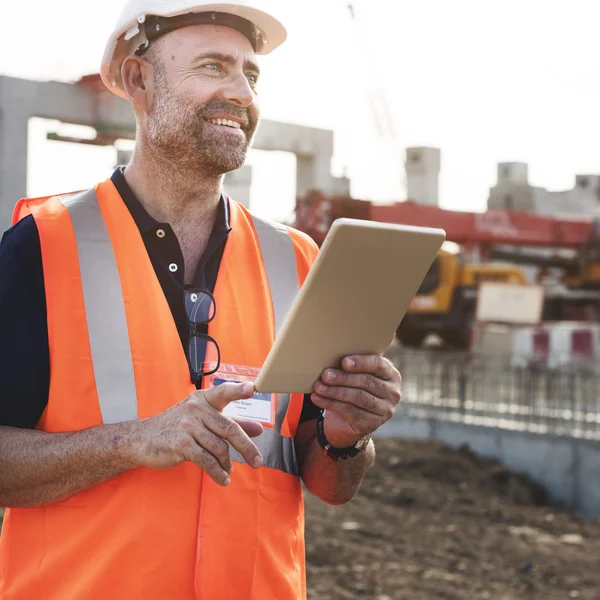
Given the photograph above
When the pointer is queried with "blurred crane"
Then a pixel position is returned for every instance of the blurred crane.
(377, 96)
(375, 91)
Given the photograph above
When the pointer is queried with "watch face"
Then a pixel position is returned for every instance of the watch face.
(362, 442)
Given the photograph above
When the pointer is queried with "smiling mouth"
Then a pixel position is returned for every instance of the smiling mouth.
(225, 123)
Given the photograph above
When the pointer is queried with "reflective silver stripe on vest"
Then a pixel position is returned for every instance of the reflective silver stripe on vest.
(278, 452)
(279, 259)
(104, 310)
(277, 249)
(283, 401)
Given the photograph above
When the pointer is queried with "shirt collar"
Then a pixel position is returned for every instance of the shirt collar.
(145, 222)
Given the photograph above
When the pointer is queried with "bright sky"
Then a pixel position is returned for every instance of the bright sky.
(486, 81)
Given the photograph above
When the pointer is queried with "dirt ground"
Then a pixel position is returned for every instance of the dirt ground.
(435, 523)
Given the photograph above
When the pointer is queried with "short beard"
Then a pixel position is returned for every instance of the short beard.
(177, 131)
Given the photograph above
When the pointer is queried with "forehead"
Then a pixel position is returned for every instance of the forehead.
(187, 42)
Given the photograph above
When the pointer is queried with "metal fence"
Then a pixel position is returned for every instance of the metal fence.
(493, 393)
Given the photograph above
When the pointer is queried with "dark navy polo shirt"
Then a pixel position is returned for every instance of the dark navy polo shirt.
(24, 352)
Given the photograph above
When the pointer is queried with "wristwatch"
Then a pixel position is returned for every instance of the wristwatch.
(337, 453)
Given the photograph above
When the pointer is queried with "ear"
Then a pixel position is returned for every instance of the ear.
(138, 79)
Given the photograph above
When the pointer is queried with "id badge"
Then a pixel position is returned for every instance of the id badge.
(261, 407)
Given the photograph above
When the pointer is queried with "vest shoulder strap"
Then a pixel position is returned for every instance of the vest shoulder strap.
(104, 309)
(25, 206)
(277, 249)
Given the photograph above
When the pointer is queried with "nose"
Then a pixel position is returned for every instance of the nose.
(239, 92)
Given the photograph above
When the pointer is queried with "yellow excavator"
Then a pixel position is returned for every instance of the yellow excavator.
(446, 301)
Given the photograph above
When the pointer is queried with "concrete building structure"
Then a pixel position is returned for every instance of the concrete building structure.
(88, 103)
(423, 175)
(237, 185)
(513, 192)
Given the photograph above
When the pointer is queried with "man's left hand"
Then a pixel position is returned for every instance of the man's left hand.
(359, 398)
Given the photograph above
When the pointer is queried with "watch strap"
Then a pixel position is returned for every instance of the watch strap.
(331, 451)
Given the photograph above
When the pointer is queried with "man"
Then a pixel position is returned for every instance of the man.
(133, 315)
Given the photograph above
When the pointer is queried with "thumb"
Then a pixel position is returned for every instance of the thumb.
(221, 395)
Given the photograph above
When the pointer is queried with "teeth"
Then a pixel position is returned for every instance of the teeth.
(226, 122)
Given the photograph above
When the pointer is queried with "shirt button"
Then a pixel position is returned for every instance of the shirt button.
(160, 233)
(173, 267)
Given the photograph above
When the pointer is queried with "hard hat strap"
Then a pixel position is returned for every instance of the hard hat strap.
(155, 26)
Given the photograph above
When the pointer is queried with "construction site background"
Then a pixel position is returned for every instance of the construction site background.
(433, 519)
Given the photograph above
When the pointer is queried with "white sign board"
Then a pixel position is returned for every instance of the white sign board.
(510, 303)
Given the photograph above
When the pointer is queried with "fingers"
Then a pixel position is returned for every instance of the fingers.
(389, 391)
(221, 395)
(196, 430)
(213, 431)
(218, 448)
(374, 385)
(252, 428)
(360, 399)
(372, 364)
(229, 430)
(205, 439)
(208, 463)
(367, 384)
(207, 447)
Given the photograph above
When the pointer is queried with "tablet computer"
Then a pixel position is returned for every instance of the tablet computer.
(352, 301)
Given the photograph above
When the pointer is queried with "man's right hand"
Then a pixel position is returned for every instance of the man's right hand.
(197, 431)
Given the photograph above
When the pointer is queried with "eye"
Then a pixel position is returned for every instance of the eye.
(214, 67)
(252, 78)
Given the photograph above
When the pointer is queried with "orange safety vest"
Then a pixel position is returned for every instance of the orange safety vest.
(115, 355)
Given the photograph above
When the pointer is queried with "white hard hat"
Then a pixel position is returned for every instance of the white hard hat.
(143, 20)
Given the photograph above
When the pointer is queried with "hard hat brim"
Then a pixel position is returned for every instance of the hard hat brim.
(274, 34)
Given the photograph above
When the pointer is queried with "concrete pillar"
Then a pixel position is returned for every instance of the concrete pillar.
(237, 185)
(313, 172)
(305, 182)
(14, 120)
(422, 175)
(512, 192)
